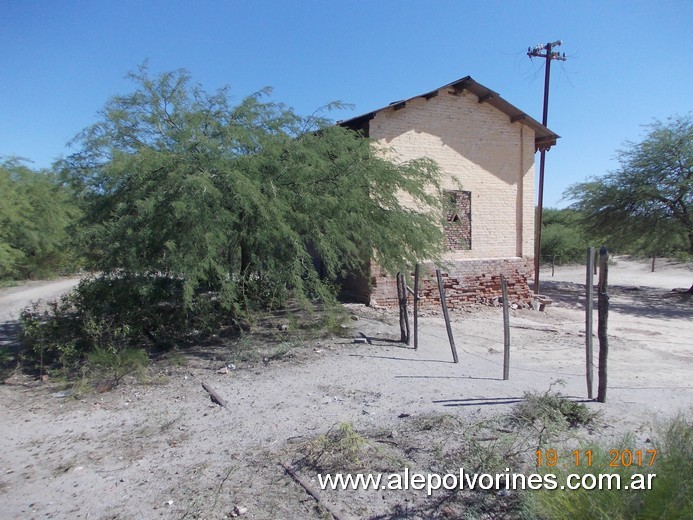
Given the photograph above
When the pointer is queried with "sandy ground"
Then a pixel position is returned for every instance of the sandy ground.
(165, 451)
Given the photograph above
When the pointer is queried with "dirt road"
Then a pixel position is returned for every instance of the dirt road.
(14, 299)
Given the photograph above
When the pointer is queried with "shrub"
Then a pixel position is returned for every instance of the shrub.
(112, 314)
(562, 236)
(342, 449)
(551, 411)
(109, 365)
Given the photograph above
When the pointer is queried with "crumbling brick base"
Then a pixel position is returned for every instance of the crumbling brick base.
(466, 282)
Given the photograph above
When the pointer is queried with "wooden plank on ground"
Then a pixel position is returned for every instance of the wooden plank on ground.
(313, 492)
(216, 398)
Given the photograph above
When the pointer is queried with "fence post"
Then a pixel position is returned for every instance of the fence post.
(443, 303)
(603, 315)
(506, 329)
(416, 307)
(589, 303)
(403, 316)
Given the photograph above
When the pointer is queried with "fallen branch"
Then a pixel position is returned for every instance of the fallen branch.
(313, 492)
(387, 441)
(216, 398)
(540, 329)
(216, 497)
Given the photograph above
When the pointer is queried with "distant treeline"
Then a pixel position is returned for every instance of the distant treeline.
(232, 196)
(38, 212)
(566, 235)
(36, 215)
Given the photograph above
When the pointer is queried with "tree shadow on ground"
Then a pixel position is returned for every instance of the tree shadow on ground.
(390, 342)
(9, 334)
(491, 401)
(642, 302)
(394, 358)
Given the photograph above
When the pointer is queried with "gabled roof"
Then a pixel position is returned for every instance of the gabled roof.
(544, 138)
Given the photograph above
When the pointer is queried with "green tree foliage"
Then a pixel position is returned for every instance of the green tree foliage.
(562, 236)
(240, 199)
(35, 214)
(646, 204)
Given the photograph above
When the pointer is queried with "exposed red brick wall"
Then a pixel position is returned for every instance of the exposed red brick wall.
(458, 224)
(466, 282)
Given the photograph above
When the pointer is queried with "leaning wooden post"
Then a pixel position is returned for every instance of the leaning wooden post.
(403, 317)
(416, 307)
(441, 289)
(603, 315)
(506, 329)
(589, 303)
(653, 262)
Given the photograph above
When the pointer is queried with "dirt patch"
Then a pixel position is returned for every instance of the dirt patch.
(162, 449)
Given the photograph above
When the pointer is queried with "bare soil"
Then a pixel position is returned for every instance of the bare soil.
(160, 448)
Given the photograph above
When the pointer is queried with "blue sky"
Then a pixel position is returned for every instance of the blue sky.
(628, 62)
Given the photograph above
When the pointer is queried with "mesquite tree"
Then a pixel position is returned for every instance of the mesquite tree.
(239, 200)
(647, 203)
(36, 212)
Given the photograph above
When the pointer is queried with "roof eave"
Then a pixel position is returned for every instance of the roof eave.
(544, 138)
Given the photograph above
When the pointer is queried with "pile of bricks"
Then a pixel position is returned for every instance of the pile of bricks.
(466, 282)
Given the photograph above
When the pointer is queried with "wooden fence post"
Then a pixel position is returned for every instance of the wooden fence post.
(403, 316)
(443, 303)
(653, 262)
(603, 315)
(416, 307)
(506, 329)
(405, 304)
(589, 303)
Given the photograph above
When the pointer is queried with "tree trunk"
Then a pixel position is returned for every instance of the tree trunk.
(245, 257)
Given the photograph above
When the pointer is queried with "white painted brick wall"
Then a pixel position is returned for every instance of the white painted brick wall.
(479, 148)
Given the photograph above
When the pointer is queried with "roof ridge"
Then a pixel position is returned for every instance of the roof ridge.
(544, 137)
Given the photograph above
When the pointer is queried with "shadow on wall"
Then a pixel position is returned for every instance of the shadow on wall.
(496, 149)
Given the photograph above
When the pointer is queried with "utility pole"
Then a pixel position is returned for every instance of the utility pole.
(543, 51)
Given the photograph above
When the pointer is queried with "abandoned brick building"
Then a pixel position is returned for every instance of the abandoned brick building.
(485, 146)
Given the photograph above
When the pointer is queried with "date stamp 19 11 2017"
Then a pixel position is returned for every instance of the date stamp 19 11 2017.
(616, 458)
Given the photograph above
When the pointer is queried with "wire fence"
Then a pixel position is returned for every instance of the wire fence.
(492, 341)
